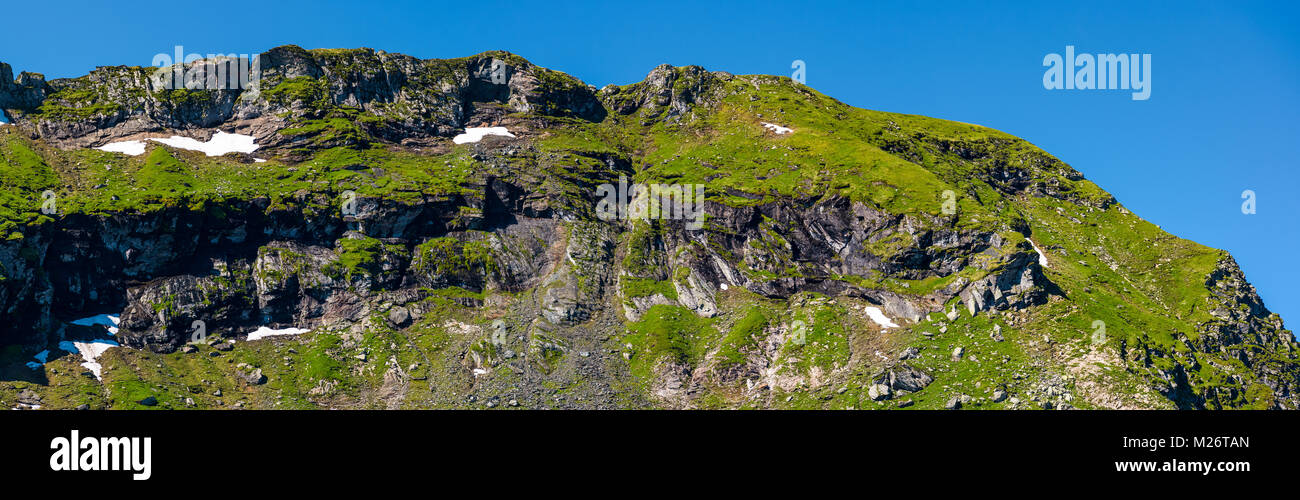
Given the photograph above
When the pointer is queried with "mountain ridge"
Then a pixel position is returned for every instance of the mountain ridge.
(809, 235)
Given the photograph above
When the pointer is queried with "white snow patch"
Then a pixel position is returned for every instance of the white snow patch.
(258, 160)
(220, 144)
(724, 286)
(4, 120)
(133, 148)
(1042, 259)
(777, 128)
(90, 351)
(479, 371)
(475, 134)
(879, 317)
(266, 331)
(101, 319)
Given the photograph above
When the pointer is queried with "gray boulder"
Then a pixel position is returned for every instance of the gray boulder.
(254, 377)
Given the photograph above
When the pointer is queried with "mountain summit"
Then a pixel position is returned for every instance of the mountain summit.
(355, 228)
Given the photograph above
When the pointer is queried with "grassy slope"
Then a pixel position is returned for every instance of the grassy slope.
(1112, 266)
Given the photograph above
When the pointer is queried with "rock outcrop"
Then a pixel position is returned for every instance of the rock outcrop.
(828, 272)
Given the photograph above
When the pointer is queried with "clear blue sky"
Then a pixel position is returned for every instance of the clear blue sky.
(1222, 116)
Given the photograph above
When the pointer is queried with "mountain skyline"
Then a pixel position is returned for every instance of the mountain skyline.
(443, 217)
(1175, 159)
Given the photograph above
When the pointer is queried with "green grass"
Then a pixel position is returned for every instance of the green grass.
(670, 334)
(356, 256)
(303, 90)
(1147, 286)
(451, 256)
(742, 338)
(24, 177)
(641, 287)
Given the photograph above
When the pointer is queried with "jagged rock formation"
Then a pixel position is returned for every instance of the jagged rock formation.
(861, 260)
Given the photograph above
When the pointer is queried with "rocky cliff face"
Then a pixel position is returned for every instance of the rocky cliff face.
(858, 260)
